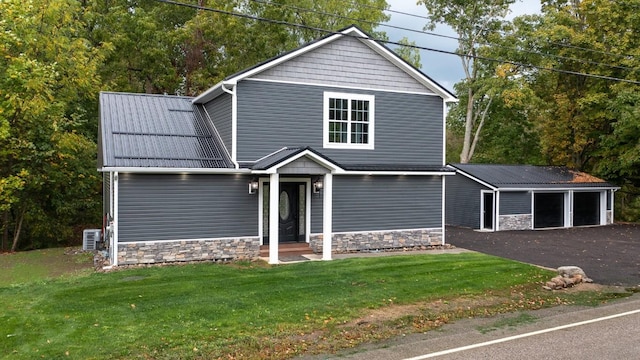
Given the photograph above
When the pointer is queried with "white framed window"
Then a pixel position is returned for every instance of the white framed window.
(349, 121)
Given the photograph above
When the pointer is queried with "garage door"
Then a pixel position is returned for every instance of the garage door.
(548, 210)
(586, 208)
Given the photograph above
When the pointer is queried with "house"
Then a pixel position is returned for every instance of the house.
(522, 197)
(338, 144)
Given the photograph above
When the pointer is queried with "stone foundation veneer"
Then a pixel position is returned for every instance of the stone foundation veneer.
(516, 222)
(188, 250)
(378, 240)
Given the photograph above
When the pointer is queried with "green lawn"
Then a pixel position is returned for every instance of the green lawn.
(27, 266)
(240, 310)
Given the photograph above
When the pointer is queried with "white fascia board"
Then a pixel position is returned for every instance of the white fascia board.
(399, 62)
(321, 161)
(458, 171)
(560, 189)
(160, 170)
(214, 91)
(396, 173)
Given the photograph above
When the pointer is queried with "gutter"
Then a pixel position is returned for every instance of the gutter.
(160, 170)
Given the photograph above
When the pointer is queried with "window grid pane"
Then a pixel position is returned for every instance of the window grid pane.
(348, 121)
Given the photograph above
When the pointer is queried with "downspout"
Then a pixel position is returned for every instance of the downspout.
(234, 124)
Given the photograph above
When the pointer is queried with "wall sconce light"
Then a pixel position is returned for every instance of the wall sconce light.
(317, 185)
(253, 186)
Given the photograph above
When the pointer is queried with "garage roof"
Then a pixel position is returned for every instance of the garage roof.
(530, 176)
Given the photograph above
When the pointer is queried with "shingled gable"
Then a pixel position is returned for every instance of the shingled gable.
(352, 31)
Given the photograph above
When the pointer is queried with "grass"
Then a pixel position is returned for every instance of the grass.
(27, 266)
(253, 310)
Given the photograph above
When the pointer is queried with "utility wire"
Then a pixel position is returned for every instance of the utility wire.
(584, 61)
(428, 19)
(331, 32)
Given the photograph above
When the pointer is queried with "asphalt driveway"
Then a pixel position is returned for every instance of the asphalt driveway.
(610, 255)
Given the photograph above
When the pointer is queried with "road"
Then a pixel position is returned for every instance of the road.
(609, 331)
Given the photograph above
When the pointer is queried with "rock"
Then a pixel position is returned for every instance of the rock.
(571, 271)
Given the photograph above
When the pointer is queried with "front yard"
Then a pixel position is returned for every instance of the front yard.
(251, 310)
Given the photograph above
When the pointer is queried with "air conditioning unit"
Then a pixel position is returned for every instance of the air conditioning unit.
(90, 239)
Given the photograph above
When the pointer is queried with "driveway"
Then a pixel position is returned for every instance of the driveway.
(610, 255)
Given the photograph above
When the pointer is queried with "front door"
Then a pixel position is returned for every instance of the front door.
(487, 211)
(288, 212)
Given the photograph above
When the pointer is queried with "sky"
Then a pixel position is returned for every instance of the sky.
(443, 68)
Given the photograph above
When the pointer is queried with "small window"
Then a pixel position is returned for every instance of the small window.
(348, 120)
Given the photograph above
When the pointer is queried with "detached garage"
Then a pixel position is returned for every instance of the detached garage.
(524, 197)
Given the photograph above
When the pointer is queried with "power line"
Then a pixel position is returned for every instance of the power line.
(427, 18)
(298, 8)
(331, 32)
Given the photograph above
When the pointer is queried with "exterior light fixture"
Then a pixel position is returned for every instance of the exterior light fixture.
(253, 186)
(317, 185)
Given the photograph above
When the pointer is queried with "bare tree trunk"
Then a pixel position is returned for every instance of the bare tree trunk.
(476, 136)
(16, 236)
(5, 230)
(465, 157)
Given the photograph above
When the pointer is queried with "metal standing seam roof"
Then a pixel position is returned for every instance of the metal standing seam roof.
(531, 176)
(142, 130)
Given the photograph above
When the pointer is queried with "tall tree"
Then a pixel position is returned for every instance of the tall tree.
(474, 22)
(162, 47)
(47, 78)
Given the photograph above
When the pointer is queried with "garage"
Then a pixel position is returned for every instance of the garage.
(548, 210)
(586, 208)
(491, 197)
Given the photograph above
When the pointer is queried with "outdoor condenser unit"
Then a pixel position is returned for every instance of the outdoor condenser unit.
(90, 239)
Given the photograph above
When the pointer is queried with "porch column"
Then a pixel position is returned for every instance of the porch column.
(274, 220)
(327, 218)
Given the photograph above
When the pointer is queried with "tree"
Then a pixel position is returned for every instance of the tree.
(409, 52)
(47, 78)
(474, 22)
(165, 48)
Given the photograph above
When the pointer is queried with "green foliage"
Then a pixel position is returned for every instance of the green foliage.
(47, 80)
(409, 53)
(164, 48)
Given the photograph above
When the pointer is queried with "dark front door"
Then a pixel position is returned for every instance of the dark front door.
(288, 212)
(487, 211)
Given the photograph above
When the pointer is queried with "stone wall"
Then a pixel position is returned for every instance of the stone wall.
(188, 250)
(379, 240)
(609, 217)
(516, 222)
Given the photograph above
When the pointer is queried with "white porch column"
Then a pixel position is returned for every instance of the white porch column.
(116, 220)
(327, 218)
(274, 208)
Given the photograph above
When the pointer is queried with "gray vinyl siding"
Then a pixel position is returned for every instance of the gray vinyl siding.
(170, 207)
(317, 202)
(220, 111)
(370, 203)
(512, 203)
(408, 127)
(345, 62)
(462, 201)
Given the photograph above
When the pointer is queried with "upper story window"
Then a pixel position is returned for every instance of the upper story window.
(348, 120)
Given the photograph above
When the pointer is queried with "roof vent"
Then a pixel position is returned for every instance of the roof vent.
(90, 239)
